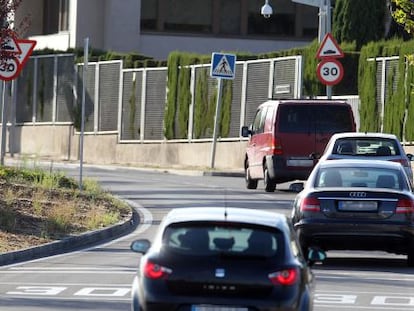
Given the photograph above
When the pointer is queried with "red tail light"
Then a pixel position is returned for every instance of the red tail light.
(284, 277)
(155, 271)
(405, 206)
(403, 162)
(310, 204)
(276, 146)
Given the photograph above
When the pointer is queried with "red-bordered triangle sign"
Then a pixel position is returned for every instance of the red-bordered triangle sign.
(26, 47)
(329, 48)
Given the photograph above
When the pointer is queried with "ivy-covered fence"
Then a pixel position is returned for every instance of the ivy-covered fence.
(386, 88)
(192, 94)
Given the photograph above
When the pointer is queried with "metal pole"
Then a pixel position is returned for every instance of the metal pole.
(216, 123)
(327, 17)
(3, 121)
(84, 78)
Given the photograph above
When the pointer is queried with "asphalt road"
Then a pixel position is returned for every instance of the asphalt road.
(99, 277)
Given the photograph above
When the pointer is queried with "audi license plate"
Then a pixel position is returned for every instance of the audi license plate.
(216, 308)
(358, 206)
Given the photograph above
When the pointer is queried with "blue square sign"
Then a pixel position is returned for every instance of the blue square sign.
(223, 66)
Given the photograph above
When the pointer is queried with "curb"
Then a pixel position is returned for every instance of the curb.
(72, 243)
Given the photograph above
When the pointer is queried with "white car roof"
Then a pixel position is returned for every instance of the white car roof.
(364, 134)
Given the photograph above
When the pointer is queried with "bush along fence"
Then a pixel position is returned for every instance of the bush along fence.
(149, 104)
(176, 102)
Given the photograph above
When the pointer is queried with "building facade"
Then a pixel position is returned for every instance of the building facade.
(157, 27)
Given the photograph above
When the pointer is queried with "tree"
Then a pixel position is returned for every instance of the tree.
(403, 14)
(359, 21)
(7, 24)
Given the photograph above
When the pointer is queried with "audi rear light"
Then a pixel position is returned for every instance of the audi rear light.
(310, 204)
(284, 277)
(276, 146)
(155, 271)
(405, 206)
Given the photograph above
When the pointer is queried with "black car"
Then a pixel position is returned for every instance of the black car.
(223, 259)
(356, 205)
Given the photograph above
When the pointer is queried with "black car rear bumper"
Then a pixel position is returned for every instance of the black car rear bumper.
(393, 238)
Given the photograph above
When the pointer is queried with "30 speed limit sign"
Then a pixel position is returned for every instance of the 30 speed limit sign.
(330, 71)
(9, 68)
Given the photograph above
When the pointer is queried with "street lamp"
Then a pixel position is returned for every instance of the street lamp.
(324, 14)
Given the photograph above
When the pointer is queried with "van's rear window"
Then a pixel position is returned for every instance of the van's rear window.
(324, 118)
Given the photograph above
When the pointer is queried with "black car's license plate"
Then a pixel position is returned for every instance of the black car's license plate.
(216, 308)
(358, 206)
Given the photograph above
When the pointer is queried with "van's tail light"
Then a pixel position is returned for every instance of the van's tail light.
(310, 204)
(284, 277)
(405, 206)
(276, 146)
(155, 271)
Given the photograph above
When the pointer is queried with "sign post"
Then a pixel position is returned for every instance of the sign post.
(223, 66)
(329, 71)
(14, 54)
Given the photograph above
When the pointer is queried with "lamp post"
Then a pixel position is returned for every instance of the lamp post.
(325, 21)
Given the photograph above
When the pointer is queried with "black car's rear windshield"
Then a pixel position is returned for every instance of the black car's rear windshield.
(325, 118)
(210, 239)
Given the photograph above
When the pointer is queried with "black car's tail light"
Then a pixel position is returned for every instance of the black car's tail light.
(156, 271)
(284, 277)
(405, 206)
(310, 204)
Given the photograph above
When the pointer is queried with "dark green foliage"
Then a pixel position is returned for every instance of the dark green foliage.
(409, 124)
(184, 94)
(172, 91)
(399, 98)
(368, 112)
(201, 107)
(359, 21)
(225, 116)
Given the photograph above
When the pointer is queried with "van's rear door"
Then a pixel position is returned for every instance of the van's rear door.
(331, 118)
(303, 129)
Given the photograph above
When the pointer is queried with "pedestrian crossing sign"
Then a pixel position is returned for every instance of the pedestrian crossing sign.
(223, 66)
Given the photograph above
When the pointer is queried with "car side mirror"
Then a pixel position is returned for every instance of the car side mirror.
(410, 156)
(245, 131)
(140, 246)
(315, 156)
(315, 255)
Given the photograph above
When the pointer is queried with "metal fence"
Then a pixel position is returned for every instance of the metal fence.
(131, 102)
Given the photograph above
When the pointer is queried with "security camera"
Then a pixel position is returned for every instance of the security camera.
(267, 10)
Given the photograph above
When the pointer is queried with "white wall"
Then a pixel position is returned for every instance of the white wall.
(159, 46)
(122, 25)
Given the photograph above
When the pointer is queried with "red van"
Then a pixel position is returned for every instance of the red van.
(287, 137)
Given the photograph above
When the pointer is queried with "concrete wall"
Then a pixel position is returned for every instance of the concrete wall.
(59, 142)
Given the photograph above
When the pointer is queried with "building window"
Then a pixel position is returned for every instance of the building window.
(229, 17)
(189, 16)
(280, 23)
(64, 15)
(149, 10)
(56, 16)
